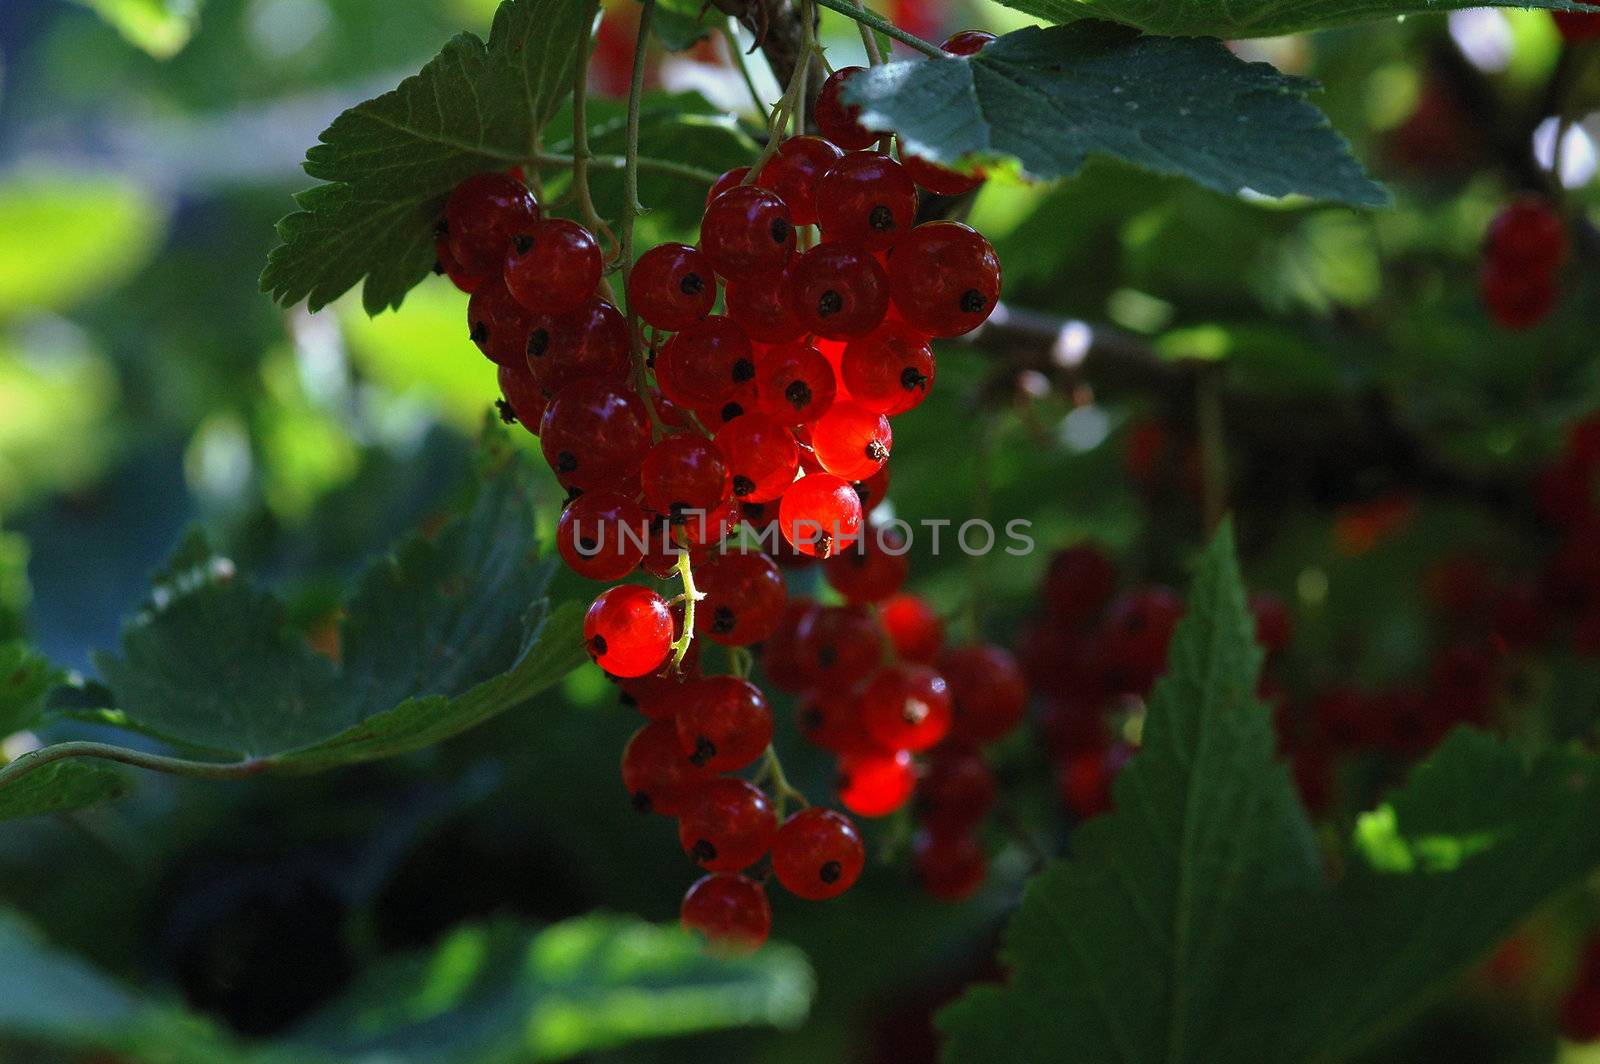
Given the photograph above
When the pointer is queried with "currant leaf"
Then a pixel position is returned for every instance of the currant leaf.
(25, 677)
(60, 788)
(1051, 98)
(391, 161)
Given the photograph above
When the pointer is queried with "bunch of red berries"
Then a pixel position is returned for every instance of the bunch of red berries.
(1525, 247)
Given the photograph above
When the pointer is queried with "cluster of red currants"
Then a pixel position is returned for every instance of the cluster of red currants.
(1523, 250)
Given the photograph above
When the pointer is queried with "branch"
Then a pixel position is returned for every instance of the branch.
(177, 766)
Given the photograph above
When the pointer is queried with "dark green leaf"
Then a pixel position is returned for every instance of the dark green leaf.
(25, 677)
(681, 24)
(392, 160)
(1052, 98)
(59, 787)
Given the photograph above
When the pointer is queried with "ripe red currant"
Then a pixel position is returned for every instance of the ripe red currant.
(595, 434)
(957, 790)
(727, 825)
(602, 535)
(481, 216)
(672, 286)
(787, 668)
(591, 341)
(723, 722)
(851, 441)
(705, 364)
(839, 121)
(890, 370)
(683, 476)
(794, 171)
(445, 263)
(628, 630)
(744, 598)
(839, 291)
(554, 266)
(1516, 297)
(523, 395)
(795, 383)
(1528, 234)
(1138, 629)
(837, 646)
(830, 718)
(761, 307)
(818, 854)
(940, 180)
(1078, 583)
(731, 911)
(1273, 623)
(820, 513)
(700, 529)
(872, 568)
(657, 774)
(728, 179)
(762, 457)
(875, 782)
(1577, 27)
(913, 627)
(967, 42)
(874, 489)
(747, 230)
(906, 707)
(987, 690)
(945, 278)
(497, 323)
(950, 865)
(868, 199)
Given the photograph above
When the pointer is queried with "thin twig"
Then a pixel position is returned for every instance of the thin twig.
(34, 760)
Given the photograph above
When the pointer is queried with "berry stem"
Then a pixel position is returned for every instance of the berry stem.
(617, 162)
(691, 595)
(849, 9)
(630, 200)
(737, 56)
(782, 790)
(177, 766)
(581, 156)
(868, 41)
(791, 105)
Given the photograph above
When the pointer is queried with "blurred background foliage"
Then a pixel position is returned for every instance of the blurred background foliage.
(146, 148)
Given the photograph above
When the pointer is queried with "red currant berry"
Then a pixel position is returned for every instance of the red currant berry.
(1079, 582)
(795, 383)
(913, 627)
(830, 718)
(497, 323)
(838, 645)
(787, 667)
(731, 911)
(874, 489)
(655, 694)
(1528, 234)
(987, 689)
(672, 286)
(794, 171)
(628, 630)
(701, 529)
(602, 535)
(889, 371)
(1273, 623)
(868, 199)
(762, 457)
(481, 216)
(444, 261)
(957, 791)
(906, 707)
(840, 121)
(747, 231)
(875, 782)
(820, 514)
(945, 278)
(838, 291)
(683, 476)
(591, 341)
(967, 42)
(940, 180)
(1084, 783)
(657, 774)
(1516, 297)
(761, 307)
(723, 722)
(851, 441)
(553, 267)
(705, 364)
(729, 179)
(1577, 27)
(950, 866)
(1137, 631)
(595, 434)
(727, 825)
(872, 568)
(818, 854)
(744, 598)
(523, 395)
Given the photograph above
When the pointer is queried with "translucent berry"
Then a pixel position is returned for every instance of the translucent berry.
(820, 514)
(481, 216)
(987, 690)
(497, 323)
(875, 782)
(830, 718)
(950, 865)
(554, 266)
(945, 278)
(794, 171)
(872, 568)
(906, 707)
(731, 911)
(868, 199)
(445, 263)
(701, 529)
(746, 231)
(727, 825)
(728, 179)
(761, 307)
(672, 286)
(703, 366)
(940, 180)
(851, 441)
(602, 535)
(839, 291)
(795, 383)
(838, 646)
(591, 341)
(684, 475)
(890, 370)
(839, 121)
(523, 395)
(874, 489)
(628, 630)
(957, 790)
(744, 598)
(595, 434)
(723, 722)
(913, 627)
(762, 457)
(968, 42)
(818, 854)
(657, 774)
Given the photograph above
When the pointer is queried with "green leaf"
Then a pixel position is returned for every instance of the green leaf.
(60, 787)
(1252, 18)
(25, 677)
(1166, 936)
(681, 24)
(392, 160)
(1051, 98)
(160, 27)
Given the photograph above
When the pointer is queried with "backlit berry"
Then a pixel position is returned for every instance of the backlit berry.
(868, 199)
(875, 782)
(727, 825)
(987, 691)
(840, 121)
(747, 230)
(523, 395)
(794, 171)
(890, 370)
(684, 475)
(723, 722)
(731, 911)
(591, 341)
(913, 627)
(761, 307)
(940, 180)
(744, 598)
(762, 457)
(497, 323)
(838, 645)
(628, 630)
(819, 514)
(945, 278)
(795, 383)
(595, 434)
(602, 535)
(481, 216)
(672, 286)
(702, 366)
(818, 854)
(872, 568)
(839, 291)
(657, 774)
(554, 266)
(851, 441)
(906, 707)
(967, 42)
